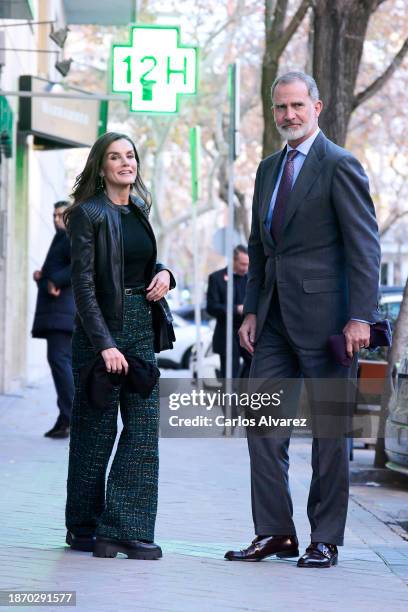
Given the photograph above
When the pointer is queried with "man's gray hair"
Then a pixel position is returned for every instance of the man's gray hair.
(290, 77)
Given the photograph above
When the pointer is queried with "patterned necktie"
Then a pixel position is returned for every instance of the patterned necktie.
(282, 197)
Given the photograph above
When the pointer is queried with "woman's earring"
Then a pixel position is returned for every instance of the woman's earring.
(101, 184)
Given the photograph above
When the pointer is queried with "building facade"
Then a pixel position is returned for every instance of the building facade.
(35, 134)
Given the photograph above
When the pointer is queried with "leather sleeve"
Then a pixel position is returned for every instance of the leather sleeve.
(356, 215)
(256, 271)
(82, 235)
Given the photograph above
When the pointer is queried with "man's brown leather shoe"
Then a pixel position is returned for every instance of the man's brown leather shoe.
(260, 548)
(319, 554)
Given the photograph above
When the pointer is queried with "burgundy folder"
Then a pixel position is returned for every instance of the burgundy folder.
(380, 335)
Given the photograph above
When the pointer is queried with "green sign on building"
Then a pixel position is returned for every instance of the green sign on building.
(155, 68)
(6, 127)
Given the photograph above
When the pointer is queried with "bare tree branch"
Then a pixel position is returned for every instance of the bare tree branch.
(293, 24)
(174, 223)
(393, 164)
(236, 17)
(184, 217)
(269, 9)
(372, 89)
(389, 222)
(275, 13)
(378, 4)
(162, 131)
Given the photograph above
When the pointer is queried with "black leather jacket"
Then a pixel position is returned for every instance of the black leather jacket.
(97, 274)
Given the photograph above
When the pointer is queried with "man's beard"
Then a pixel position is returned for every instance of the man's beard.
(294, 133)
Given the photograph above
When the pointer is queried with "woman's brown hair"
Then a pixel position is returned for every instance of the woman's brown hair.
(89, 182)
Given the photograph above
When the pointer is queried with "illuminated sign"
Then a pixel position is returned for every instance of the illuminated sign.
(155, 68)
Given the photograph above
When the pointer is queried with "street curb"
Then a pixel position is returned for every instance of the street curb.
(377, 475)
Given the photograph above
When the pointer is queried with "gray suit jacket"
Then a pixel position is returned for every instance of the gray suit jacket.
(326, 264)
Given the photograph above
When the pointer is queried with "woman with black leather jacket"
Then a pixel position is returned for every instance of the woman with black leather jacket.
(115, 280)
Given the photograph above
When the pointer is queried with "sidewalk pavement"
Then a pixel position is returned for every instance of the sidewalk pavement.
(204, 510)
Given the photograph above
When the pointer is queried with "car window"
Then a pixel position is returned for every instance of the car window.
(383, 308)
(393, 310)
(178, 321)
(390, 306)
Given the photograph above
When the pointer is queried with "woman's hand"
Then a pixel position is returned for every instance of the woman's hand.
(159, 286)
(114, 361)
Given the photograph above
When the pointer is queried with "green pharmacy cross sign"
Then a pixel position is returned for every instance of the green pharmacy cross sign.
(155, 68)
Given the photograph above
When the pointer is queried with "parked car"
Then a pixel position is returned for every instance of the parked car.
(396, 427)
(187, 312)
(179, 356)
(210, 365)
(372, 365)
(390, 299)
(390, 302)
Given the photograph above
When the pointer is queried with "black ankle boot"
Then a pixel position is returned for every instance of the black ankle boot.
(84, 543)
(60, 429)
(134, 549)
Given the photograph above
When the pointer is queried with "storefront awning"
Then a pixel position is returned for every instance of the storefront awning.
(16, 9)
(59, 122)
(119, 12)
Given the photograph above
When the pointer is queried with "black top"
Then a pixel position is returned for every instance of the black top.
(137, 247)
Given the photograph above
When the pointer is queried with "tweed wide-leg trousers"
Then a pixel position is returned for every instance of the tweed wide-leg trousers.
(124, 508)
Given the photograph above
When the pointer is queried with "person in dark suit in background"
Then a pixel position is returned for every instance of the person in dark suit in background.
(314, 258)
(54, 319)
(217, 307)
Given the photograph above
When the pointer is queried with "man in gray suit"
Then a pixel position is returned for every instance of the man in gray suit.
(314, 267)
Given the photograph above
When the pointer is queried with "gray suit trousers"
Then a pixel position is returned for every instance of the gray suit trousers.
(276, 357)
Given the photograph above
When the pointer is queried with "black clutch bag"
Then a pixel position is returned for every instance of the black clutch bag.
(162, 326)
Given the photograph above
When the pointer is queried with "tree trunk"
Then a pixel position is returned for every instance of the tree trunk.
(277, 37)
(339, 31)
(274, 24)
(271, 141)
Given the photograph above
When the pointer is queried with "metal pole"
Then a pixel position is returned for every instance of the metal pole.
(197, 296)
(233, 146)
(230, 286)
(195, 150)
(29, 50)
(25, 23)
(48, 94)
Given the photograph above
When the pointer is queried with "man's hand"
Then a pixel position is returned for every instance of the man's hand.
(247, 333)
(114, 361)
(37, 275)
(52, 289)
(159, 286)
(357, 336)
